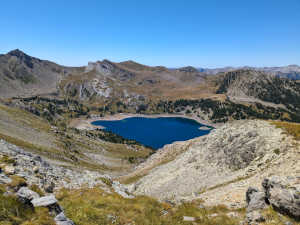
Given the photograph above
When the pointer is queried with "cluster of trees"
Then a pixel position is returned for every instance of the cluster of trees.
(223, 111)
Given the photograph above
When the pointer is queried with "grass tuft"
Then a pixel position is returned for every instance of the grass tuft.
(291, 128)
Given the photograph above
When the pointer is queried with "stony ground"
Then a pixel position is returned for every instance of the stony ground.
(219, 167)
(204, 174)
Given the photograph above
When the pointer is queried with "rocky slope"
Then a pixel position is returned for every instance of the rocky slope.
(250, 85)
(219, 167)
(35, 187)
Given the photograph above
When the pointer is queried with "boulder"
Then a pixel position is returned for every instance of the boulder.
(283, 194)
(255, 199)
(61, 219)
(255, 203)
(26, 195)
(44, 201)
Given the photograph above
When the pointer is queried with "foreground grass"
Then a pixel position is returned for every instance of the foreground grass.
(273, 218)
(13, 212)
(93, 207)
(291, 128)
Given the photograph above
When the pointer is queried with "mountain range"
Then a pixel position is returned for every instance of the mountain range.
(57, 168)
(290, 71)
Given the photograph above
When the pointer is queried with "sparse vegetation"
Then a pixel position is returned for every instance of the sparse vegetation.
(273, 218)
(291, 128)
(13, 212)
(93, 207)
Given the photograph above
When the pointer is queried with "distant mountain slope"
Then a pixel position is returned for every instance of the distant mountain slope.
(291, 71)
(23, 75)
(251, 85)
(130, 80)
(109, 87)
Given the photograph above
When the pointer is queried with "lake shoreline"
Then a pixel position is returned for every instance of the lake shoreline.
(86, 124)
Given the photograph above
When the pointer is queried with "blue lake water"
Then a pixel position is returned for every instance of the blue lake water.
(155, 132)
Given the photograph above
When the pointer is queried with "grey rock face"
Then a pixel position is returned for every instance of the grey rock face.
(234, 150)
(255, 203)
(26, 195)
(44, 201)
(284, 194)
(255, 199)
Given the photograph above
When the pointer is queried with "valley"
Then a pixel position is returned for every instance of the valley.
(51, 145)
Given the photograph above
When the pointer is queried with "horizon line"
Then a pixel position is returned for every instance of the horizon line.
(168, 67)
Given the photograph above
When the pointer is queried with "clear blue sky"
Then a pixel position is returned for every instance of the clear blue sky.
(172, 33)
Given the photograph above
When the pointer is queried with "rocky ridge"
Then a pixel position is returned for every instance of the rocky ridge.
(49, 175)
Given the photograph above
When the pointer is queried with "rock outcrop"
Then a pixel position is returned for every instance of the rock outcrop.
(26, 195)
(220, 166)
(255, 203)
(44, 173)
(281, 193)
(33, 199)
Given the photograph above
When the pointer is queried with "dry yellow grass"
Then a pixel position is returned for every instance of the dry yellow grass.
(291, 128)
(93, 207)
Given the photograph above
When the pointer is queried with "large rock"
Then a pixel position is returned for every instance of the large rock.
(61, 219)
(283, 194)
(255, 203)
(26, 195)
(44, 201)
(255, 199)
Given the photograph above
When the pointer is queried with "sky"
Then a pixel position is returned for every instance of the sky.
(172, 33)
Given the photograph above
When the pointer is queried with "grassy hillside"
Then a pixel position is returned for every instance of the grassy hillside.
(93, 150)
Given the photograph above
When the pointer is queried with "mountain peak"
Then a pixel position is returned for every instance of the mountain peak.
(17, 53)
